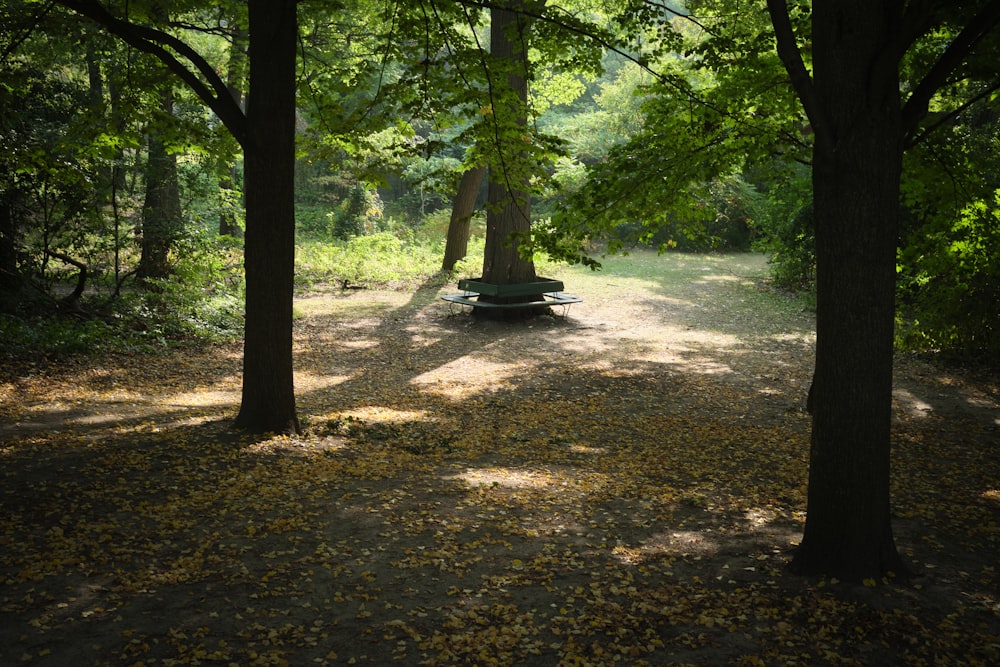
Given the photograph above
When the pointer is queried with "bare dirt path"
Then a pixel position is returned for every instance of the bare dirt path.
(622, 485)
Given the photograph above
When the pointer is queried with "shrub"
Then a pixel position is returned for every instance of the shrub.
(382, 260)
(950, 285)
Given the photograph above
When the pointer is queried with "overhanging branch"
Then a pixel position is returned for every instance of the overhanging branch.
(791, 58)
(916, 107)
(209, 87)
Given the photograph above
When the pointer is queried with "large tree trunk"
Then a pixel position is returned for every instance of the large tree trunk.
(508, 211)
(856, 171)
(268, 403)
(460, 226)
(161, 212)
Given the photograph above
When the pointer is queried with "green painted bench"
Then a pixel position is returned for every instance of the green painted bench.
(550, 292)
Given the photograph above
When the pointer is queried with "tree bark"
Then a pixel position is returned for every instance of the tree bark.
(508, 211)
(9, 242)
(460, 225)
(268, 403)
(235, 82)
(857, 162)
(161, 212)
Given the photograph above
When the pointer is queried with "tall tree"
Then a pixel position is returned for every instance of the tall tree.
(269, 252)
(861, 126)
(266, 131)
(508, 212)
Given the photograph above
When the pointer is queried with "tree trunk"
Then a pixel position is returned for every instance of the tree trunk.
(460, 226)
(9, 243)
(508, 211)
(161, 212)
(235, 82)
(857, 162)
(268, 403)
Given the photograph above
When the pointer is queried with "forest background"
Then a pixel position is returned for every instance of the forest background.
(121, 200)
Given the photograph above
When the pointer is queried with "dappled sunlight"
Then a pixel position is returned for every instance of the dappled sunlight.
(359, 344)
(669, 543)
(522, 478)
(705, 366)
(207, 397)
(912, 405)
(583, 449)
(722, 278)
(307, 381)
(382, 414)
(461, 378)
(614, 487)
(806, 339)
(502, 476)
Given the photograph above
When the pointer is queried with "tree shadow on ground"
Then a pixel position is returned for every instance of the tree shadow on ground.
(530, 493)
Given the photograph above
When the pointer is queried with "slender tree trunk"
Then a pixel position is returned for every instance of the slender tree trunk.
(161, 212)
(508, 211)
(98, 110)
(9, 243)
(460, 226)
(857, 162)
(268, 403)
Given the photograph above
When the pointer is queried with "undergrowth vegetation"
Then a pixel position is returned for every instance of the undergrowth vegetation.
(202, 300)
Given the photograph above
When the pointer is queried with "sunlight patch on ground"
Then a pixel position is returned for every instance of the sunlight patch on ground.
(508, 477)
(760, 516)
(204, 398)
(717, 278)
(361, 344)
(419, 339)
(800, 338)
(449, 380)
(385, 415)
(675, 542)
(914, 406)
(705, 366)
(583, 449)
(992, 494)
(334, 304)
(305, 381)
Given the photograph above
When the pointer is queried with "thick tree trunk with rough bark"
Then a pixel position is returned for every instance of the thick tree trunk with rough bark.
(460, 227)
(268, 403)
(857, 162)
(508, 211)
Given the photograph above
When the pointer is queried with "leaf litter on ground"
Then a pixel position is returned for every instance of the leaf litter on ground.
(623, 485)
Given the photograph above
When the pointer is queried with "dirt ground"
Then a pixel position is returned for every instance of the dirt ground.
(622, 483)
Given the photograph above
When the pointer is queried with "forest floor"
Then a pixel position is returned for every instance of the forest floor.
(624, 484)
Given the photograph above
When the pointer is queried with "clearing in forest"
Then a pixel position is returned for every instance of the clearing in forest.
(622, 485)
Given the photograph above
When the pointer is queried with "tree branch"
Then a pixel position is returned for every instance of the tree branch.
(209, 87)
(915, 139)
(541, 16)
(916, 107)
(18, 39)
(791, 58)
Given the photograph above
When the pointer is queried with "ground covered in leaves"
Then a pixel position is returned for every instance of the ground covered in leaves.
(621, 485)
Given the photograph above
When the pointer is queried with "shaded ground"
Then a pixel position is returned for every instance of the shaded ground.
(620, 485)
